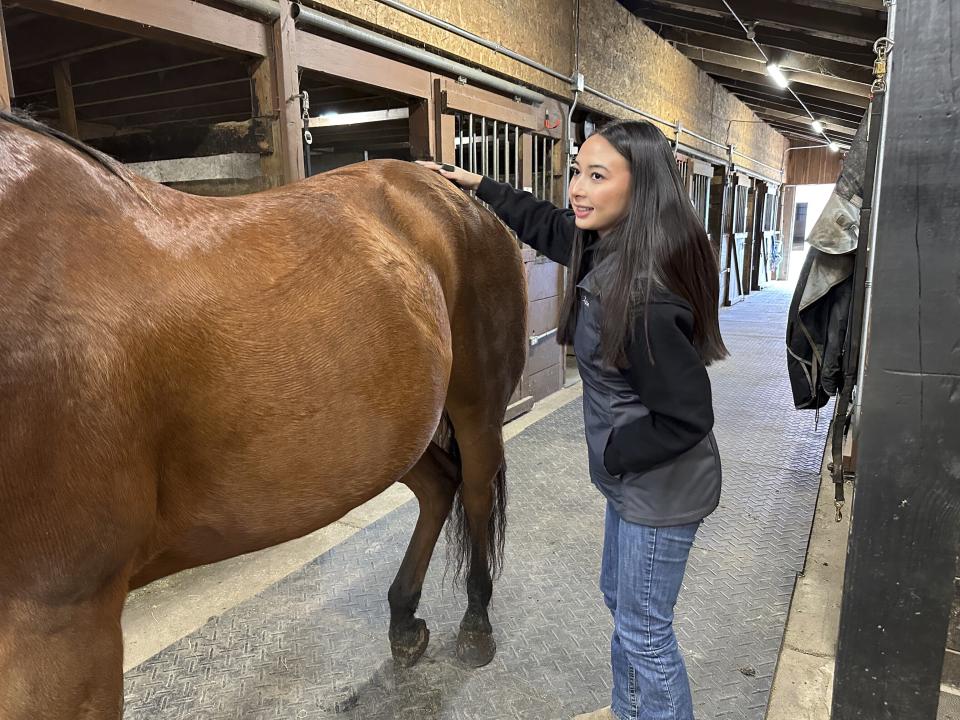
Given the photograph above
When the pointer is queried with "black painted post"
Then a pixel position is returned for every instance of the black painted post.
(906, 510)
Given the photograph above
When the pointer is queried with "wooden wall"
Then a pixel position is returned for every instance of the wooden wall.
(813, 166)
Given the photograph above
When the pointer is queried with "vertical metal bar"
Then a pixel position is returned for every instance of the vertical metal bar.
(483, 142)
(496, 151)
(516, 156)
(506, 152)
(459, 139)
(536, 147)
(553, 155)
(473, 150)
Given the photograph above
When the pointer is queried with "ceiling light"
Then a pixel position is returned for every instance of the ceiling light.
(777, 74)
(817, 126)
(834, 147)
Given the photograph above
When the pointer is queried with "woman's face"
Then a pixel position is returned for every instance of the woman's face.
(600, 186)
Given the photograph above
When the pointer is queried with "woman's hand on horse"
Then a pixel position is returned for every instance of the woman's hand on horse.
(466, 180)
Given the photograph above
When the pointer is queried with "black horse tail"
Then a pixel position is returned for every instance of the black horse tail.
(459, 538)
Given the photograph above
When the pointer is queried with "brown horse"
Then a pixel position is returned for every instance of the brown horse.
(186, 379)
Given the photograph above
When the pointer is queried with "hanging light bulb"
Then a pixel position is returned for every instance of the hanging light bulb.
(817, 126)
(834, 147)
(774, 71)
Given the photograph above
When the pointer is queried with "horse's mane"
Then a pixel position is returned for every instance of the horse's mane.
(111, 165)
(27, 122)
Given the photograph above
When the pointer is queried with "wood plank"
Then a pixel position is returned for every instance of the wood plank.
(544, 355)
(343, 61)
(65, 103)
(183, 18)
(421, 130)
(542, 315)
(6, 76)
(852, 26)
(496, 107)
(546, 382)
(543, 280)
(518, 407)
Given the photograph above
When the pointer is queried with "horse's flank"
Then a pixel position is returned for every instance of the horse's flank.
(185, 379)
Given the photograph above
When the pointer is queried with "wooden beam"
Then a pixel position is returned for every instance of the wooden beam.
(65, 103)
(803, 120)
(181, 18)
(787, 59)
(788, 104)
(864, 4)
(759, 67)
(290, 114)
(344, 61)
(6, 77)
(798, 87)
(772, 37)
(765, 90)
(905, 521)
(854, 26)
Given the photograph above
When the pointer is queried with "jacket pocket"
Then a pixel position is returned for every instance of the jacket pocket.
(605, 443)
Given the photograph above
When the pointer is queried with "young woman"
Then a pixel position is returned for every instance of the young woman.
(641, 312)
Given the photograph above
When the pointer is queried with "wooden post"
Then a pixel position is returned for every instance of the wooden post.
(288, 95)
(422, 132)
(65, 104)
(526, 161)
(905, 519)
(6, 76)
(787, 209)
(263, 77)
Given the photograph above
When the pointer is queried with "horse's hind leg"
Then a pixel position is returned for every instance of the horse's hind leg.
(480, 438)
(434, 481)
(62, 658)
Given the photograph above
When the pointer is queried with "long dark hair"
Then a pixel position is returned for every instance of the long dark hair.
(660, 242)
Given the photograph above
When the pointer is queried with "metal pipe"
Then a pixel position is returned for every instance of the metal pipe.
(625, 106)
(270, 8)
(686, 131)
(496, 47)
(874, 215)
(312, 18)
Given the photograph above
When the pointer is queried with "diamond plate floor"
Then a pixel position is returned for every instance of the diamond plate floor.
(314, 645)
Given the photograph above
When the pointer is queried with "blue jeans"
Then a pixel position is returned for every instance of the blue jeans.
(640, 577)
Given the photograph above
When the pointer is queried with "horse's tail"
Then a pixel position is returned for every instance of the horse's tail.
(459, 542)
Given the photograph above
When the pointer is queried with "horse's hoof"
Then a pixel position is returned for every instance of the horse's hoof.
(411, 646)
(476, 649)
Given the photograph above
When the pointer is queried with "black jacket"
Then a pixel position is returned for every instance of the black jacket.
(648, 425)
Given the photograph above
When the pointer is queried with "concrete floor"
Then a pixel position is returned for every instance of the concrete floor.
(300, 630)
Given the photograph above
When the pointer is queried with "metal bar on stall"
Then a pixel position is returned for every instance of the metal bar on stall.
(506, 152)
(536, 148)
(516, 156)
(496, 151)
(483, 145)
(553, 154)
(459, 133)
(473, 149)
